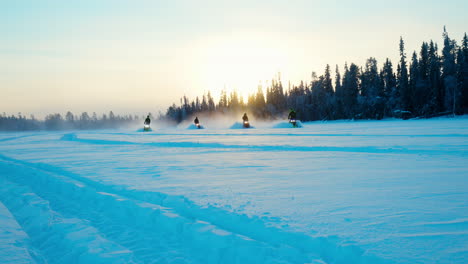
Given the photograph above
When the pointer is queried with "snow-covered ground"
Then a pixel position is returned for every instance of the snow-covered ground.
(331, 192)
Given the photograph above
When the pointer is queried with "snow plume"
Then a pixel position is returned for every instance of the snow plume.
(229, 121)
(162, 124)
(213, 120)
(286, 124)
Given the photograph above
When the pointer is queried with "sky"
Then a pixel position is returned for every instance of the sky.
(141, 56)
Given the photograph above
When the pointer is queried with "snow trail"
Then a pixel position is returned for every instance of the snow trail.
(142, 225)
(267, 148)
(14, 242)
(345, 192)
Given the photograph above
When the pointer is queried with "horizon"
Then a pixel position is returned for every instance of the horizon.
(137, 58)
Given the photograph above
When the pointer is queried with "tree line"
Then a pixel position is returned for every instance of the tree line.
(428, 83)
(67, 122)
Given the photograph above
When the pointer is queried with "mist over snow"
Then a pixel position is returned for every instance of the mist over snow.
(229, 121)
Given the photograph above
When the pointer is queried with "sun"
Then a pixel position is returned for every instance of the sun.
(240, 64)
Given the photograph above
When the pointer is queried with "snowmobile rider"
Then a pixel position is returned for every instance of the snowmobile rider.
(292, 114)
(245, 118)
(196, 121)
(147, 120)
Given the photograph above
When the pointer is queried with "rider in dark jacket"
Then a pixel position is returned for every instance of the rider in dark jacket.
(245, 118)
(196, 121)
(292, 115)
(147, 120)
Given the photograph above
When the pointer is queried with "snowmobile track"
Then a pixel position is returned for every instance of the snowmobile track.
(266, 148)
(147, 226)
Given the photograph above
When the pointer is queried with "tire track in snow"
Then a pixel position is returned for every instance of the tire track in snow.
(55, 238)
(15, 245)
(99, 218)
(266, 148)
(294, 134)
(207, 235)
(144, 228)
(14, 138)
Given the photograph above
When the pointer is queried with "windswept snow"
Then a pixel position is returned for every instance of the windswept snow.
(329, 192)
(13, 240)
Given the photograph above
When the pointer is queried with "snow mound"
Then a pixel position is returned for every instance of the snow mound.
(286, 124)
(142, 130)
(239, 125)
(193, 126)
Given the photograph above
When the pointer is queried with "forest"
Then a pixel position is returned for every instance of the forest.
(427, 83)
(69, 122)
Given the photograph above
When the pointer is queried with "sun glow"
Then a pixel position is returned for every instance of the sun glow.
(241, 64)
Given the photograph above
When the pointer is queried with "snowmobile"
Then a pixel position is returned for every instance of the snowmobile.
(293, 122)
(246, 124)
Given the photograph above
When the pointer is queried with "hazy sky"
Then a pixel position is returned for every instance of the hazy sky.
(140, 56)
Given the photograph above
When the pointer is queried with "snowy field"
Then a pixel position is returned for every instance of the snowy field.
(331, 192)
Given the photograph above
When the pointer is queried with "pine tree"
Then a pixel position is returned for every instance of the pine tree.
(197, 105)
(350, 90)
(402, 83)
(463, 73)
(234, 103)
(371, 99)
(85, 120)
(451, 95)
(327, 81)
(371, 80)
(435, 102)
(70, 119)
(223, 101)
(422, 91)
(389, 80)
(260, 102)
(204, 104)
(337, 79)
(53, 122)
(338, 104)
(330, 99)
(424, 61)
(414, 80)
(211, 103)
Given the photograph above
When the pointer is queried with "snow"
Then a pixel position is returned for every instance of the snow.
(287, 124)
(193, 126)
(240, 125)
(387, 191)
(13, 240)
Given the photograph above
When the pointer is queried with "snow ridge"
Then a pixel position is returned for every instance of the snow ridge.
(186, 144)
(97, 223)
(14, 242)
